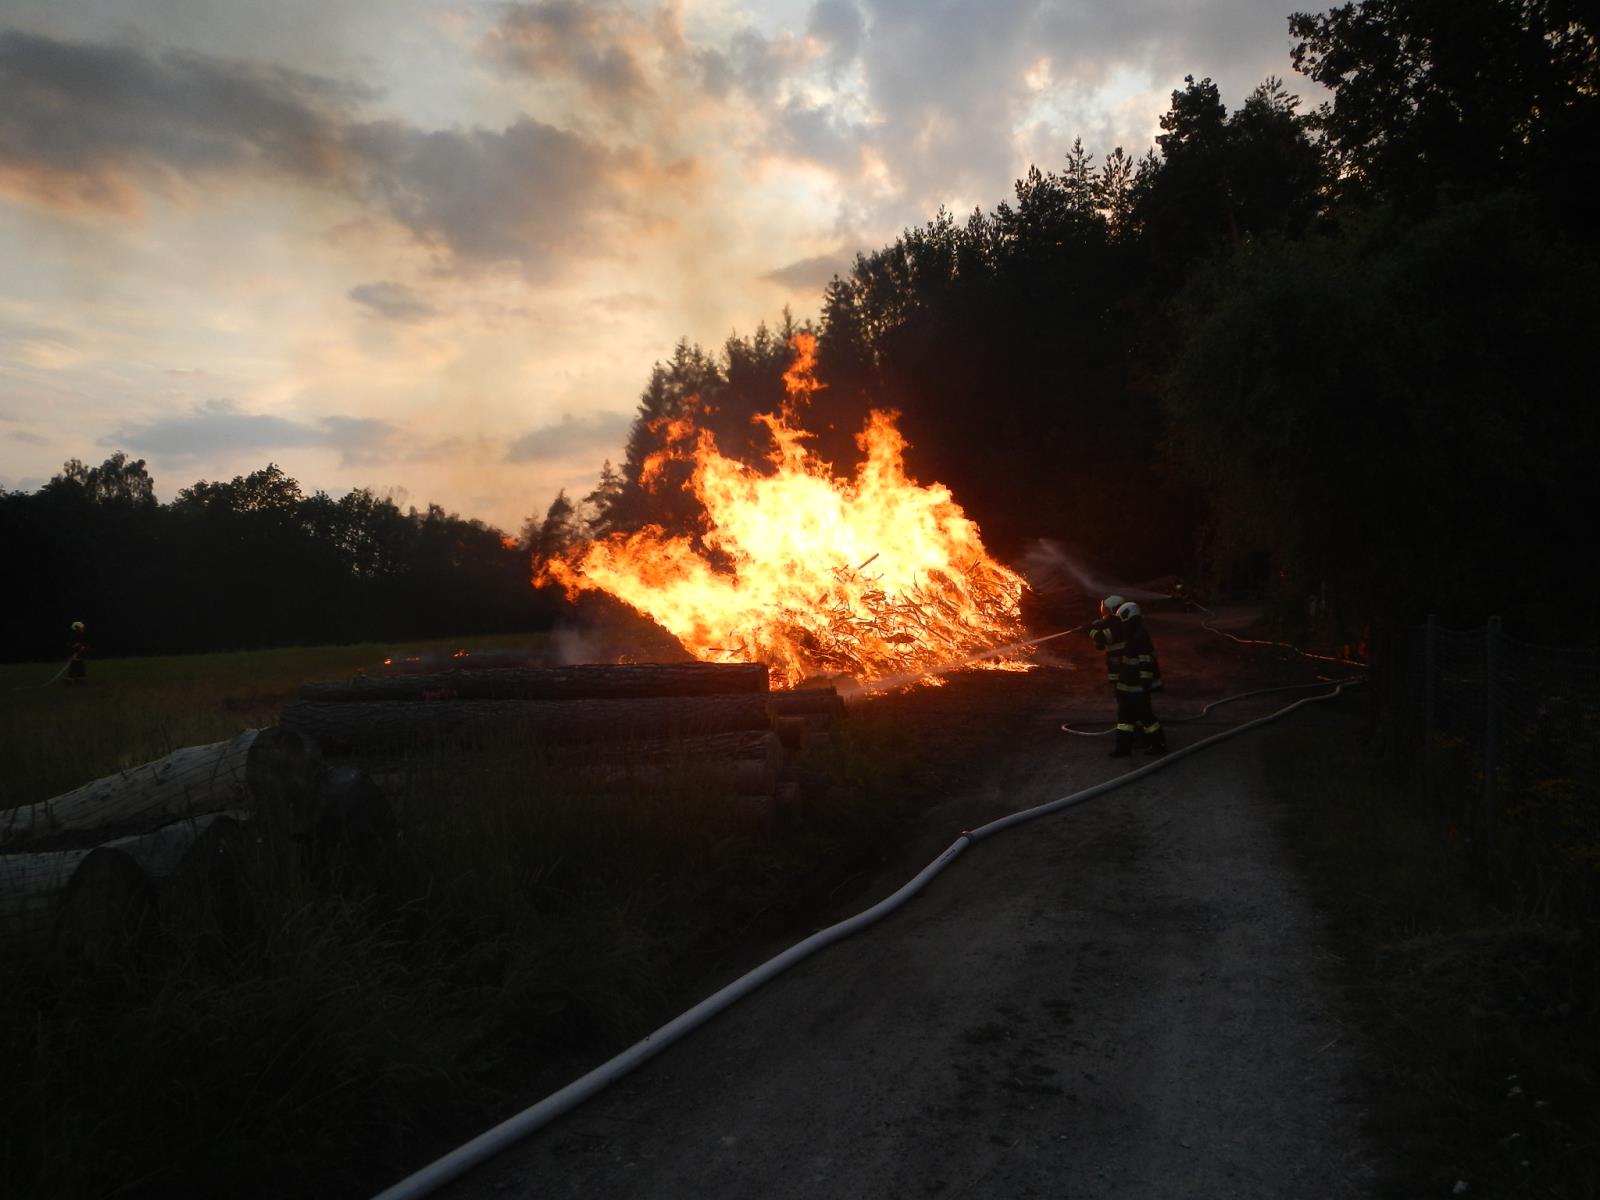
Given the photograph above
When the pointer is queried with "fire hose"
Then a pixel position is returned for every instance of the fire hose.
(33, 687)
(1205, 711)
(512, 1130)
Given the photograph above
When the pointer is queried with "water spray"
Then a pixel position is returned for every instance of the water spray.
(887, 682)
(1047, 562)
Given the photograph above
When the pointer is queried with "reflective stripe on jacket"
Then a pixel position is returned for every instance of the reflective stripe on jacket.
(1107, 636)
(1140, 671)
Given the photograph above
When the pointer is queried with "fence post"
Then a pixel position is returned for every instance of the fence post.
(1430, 699)
(1491, 727)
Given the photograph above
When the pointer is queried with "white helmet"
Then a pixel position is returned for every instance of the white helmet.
(77, 627)
(1110, 605)
(1128, 611)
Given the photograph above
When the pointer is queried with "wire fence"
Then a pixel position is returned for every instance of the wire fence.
(1507, 736)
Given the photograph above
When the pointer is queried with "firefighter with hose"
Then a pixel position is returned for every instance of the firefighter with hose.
(77, 661)
(1134, 672)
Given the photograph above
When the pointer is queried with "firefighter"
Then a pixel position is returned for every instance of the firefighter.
(77, 659)
(1140, 678)
(1108, 637)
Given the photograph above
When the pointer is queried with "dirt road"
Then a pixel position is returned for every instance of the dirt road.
(1130, 998)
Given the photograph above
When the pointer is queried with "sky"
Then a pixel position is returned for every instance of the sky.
(433, 249)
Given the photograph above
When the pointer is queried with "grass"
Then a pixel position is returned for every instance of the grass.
(317, 1029)
(1482, 1010)
(135, 710)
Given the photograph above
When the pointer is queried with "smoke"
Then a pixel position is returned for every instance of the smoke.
(571, 646)
(1049, 568)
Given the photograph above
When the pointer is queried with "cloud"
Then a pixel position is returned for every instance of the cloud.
(527, 194)
(570, 437)
(97, 127)
(362, 440)
(811, 274)
(91, 126)
(220, 427)
(26, 438)
(594, 41)
(392, 301)
(838, 25)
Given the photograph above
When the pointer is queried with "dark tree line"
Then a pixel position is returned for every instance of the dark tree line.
(1342, 352)
(247, 563)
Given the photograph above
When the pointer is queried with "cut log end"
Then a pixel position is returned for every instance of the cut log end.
(103, 906)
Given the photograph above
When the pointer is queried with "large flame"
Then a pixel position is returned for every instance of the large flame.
(874, 575)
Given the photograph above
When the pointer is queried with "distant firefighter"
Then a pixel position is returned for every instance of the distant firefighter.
(1106, 634)
(77, 659)
(1133, 671)
(1141, 679)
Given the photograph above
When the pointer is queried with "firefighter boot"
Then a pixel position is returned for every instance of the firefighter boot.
(1124, 746)
(1155, 742)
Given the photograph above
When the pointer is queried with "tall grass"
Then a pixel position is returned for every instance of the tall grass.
(307, 1027)
(1483, 1018)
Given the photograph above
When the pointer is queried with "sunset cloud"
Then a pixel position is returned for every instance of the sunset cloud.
(471, 229)
(98, 127)
(571, 437)
(94, 126)
(593, 41)
(220, 426)
(392, 301)
(811, 274)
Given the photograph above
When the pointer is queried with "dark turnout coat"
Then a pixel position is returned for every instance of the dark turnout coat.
(1138, 670)
(1108, 637)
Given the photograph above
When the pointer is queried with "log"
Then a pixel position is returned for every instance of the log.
(791, 731)
(33, 886)
(593, 681)
(365, 727)
(97, 916)
(807, 702)
(434, 661)
(355, 816)
(751, 743)
(748, 761)
(269, 771)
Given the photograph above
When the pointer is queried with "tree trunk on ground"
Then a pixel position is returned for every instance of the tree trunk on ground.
(354, 817)
(747, 764)
(269, 771)
(596, 681)
(807, 702)
(367, 727)
(34, 887)
(751, 743)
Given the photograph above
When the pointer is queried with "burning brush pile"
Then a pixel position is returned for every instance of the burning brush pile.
(871, 575)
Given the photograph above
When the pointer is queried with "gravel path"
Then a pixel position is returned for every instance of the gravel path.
(1130, 998)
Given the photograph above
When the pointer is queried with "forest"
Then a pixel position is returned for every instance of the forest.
(1340, 349)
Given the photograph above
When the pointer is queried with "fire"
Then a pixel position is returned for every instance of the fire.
(873, 575)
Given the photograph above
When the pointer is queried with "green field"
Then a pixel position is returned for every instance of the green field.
(133, 710)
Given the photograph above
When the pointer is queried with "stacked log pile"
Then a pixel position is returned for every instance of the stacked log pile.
(102, 855)
(627, 721)
(107, 851)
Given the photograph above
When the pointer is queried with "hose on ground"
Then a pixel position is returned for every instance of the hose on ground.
(1068, 726)
(1206, 710)
(491, 1142)
(34, 687)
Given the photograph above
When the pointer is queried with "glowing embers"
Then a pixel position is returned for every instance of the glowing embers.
(873, 575)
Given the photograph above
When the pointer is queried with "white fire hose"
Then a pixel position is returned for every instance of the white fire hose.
(490, 1143)
(34, 687)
